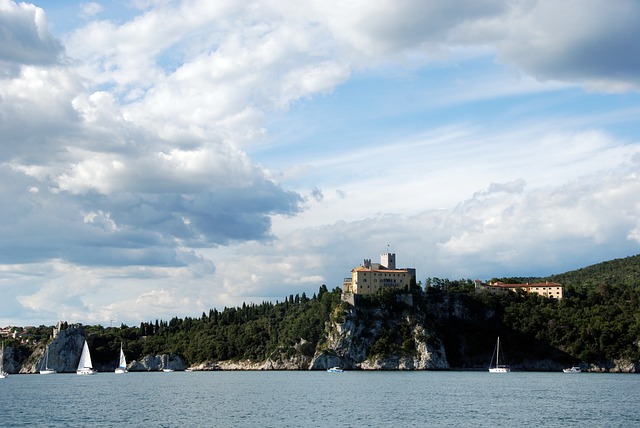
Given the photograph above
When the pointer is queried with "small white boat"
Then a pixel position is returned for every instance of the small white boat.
(3, 374)
(574, 369)
(46, 369)
(335, 370)
(85, 366)
(122, 363)
(498, 368)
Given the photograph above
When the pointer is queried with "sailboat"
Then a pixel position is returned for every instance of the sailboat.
(46, 369)
(122, 363)
(3, 374)
(166, 368)
(85, 367)
(498, 368)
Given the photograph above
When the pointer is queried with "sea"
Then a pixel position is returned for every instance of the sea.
(321, 399)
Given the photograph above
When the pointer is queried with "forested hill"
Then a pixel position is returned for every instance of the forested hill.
(618, 272)
(595, 325)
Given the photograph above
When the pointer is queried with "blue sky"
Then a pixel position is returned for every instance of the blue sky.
(161, 158)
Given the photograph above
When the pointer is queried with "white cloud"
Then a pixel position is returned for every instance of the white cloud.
(387, 27)
(25, 38)
(90, 9)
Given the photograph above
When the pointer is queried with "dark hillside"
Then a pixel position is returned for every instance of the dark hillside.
(469, 325)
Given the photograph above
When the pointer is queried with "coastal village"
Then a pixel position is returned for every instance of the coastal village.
(23, 335)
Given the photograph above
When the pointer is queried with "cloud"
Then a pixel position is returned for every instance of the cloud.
(98, 183)
(546, 229)
(36, 113)
(90, 9)
(512, 187)
(316, 194)
(25, 38)
(125, 225)
(97, 188)
(591, 42)
(386, 27)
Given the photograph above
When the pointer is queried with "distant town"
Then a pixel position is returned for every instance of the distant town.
(25, 334)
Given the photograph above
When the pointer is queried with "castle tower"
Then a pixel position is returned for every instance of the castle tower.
(388, 260)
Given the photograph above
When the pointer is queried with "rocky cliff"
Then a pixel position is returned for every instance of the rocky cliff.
(394, 337)
(154, 363)
(64, 353)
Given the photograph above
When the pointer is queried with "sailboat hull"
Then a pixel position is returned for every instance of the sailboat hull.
(48, 371)
(121, 371)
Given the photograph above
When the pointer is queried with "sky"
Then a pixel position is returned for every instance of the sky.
(160, 158)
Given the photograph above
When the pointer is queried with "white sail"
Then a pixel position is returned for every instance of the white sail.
(85, 358)
(123, 360)
(122, 363)
(84, 365)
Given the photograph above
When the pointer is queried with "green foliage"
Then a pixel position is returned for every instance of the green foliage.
(450, 286)
(38, 334)
(253, 332)
(597, 321)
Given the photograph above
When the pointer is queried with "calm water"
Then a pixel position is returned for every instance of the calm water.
(320, 399)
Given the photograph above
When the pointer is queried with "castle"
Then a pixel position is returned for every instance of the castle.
(369, 278)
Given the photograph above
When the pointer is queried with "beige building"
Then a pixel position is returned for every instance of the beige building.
(369, 278)
(546, 289)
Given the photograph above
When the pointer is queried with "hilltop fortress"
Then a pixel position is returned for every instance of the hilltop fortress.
(369, 278)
